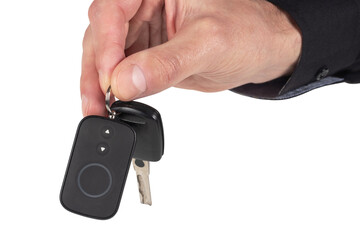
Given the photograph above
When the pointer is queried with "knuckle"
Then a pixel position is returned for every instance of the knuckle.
(167, 66)
(95, 9)
(212, 29)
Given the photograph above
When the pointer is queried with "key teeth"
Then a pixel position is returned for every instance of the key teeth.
(144, 186)
(143, 198)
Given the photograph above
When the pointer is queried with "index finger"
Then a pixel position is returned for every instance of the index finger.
(108, 20)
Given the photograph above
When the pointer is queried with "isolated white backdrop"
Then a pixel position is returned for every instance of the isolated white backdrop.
(233, 168)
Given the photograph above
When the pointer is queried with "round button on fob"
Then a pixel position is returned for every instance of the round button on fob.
(94, 180)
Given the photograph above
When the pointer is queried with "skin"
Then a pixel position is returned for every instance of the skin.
(142, 47)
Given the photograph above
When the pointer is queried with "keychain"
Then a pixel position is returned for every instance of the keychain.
(101, 155)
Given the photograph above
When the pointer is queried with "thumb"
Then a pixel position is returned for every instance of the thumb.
(153, 70)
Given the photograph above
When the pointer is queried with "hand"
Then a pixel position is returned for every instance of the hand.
(142, 47)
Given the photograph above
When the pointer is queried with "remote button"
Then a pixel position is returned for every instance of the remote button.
(107, 132)
(94, 180)
(103, 149)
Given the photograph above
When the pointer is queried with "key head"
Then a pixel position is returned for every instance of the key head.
(98, 167)
(146, 122)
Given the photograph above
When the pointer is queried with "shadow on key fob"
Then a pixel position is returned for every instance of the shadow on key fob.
(98, 167)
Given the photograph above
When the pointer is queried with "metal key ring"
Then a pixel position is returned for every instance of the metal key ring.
(112, 113)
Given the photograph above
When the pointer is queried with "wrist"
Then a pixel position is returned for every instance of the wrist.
(287, 41)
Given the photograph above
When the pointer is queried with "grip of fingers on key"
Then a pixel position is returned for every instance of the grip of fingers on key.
(147, 124)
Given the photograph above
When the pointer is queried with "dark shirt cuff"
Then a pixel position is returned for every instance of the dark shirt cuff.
(330, 43)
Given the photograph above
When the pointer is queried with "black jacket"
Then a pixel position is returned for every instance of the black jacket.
(330, 48)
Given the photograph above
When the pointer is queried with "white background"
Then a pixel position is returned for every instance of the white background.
(233, 168)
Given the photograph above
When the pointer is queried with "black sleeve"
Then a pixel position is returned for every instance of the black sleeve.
(330, 48)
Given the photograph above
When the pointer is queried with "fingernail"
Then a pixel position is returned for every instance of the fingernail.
(138, 79)
(85, 104)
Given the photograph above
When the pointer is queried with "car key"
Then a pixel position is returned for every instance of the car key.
(142, 169)
(98, 167)
(146, 121)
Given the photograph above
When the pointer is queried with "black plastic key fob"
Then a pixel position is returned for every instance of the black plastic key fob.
(98, 167)
(146, 122)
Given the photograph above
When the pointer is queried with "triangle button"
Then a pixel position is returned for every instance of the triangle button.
(102, 149)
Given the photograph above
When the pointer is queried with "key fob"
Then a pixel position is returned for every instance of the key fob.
(98, 167)
(146, 122)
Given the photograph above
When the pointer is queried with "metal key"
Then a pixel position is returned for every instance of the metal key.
(142, 169)
(146, 122)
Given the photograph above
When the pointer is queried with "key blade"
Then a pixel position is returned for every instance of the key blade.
(144, 189)
(142, 169)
